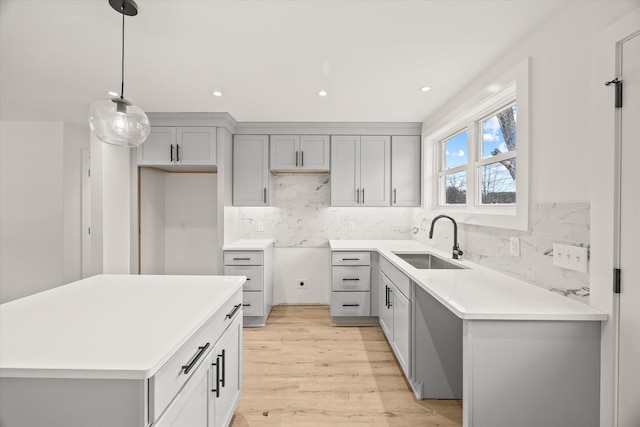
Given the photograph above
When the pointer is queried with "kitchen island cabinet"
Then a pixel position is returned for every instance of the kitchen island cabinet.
(121, 350)
(516, 354)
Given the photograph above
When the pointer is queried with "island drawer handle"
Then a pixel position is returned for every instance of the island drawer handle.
(351, 259)
(224, 367)
(242, 259)
(235, 308)
(246, 305)
(350, 279)
(187, 368)
(351, 305)
(217, 365)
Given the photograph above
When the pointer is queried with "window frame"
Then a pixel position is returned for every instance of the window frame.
(511, 88)
(443, 171)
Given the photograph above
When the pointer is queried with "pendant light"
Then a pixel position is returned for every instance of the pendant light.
(117, 121)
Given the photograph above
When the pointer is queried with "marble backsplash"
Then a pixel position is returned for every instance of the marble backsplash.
(566, 223)
(300, 215)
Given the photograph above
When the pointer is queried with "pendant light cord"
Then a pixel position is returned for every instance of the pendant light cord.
(122, 81)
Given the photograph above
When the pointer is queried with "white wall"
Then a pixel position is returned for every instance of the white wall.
(291, 265)
(40, 214)
(152, 221)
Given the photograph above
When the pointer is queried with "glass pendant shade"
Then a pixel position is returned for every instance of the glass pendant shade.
(118, 122)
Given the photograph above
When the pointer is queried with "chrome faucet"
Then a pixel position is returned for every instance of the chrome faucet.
(456, 247)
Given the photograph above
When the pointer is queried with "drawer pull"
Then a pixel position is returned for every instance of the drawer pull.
(351, 259)
(351, 305)
(248, 278)
(351, 279)
(235, 309)
(224, 367)
(187, 368)
(242, 259)
(246, 305)
(217, 389)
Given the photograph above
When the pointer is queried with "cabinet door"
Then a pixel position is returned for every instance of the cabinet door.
(375, 170)
(196, 146)
(189, 408)
(285, 152)
(158, 148)
(345, 170)
(250, 170)
(314, 153)
(386, 306)
(401, 333)
(405, 171)
(226, 375)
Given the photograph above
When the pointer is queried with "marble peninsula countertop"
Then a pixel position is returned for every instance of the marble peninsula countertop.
(107, 326)
(249, 245)
(475, 292)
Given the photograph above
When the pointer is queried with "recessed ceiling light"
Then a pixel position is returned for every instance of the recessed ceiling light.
(216, 93)
(322, 93)
(112, 93)
(425, 88)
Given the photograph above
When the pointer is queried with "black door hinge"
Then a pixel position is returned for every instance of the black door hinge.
(618, 84)
(616, 280)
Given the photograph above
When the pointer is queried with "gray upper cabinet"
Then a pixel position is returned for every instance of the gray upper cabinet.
(405, 171)
(360, 170)
(297, 153)
(175, 146)
(250, 170)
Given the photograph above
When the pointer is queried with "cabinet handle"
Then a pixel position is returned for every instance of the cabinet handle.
(296, 159)
(187, 368)
(233, 312)
(363, 196)
(389, 305)
(224, 367)
(246, 305)
(248, 278)
(351, 259)
(351, 305)
(350, 279)
(357, 196)
(217, 389)
(386, 296)
(264, 195)
(242, 259)
(171, 152)
(302, 158)
(178, 157)
(394, 195)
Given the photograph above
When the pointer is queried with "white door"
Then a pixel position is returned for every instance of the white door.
(375, 170)
(386, 306)
(226, 377)
(250, 170)
(314, 152)
(629, 356)
(405, 171)
(285, 152)
(159, 148)
(196, 146)
(86, 214)
(401, 332)
(345, 170)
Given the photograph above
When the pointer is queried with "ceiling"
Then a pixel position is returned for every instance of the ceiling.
(268, 58)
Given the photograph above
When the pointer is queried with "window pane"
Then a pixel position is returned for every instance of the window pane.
(499, 182)
(456, 150)
(499, 132)
(456, 188)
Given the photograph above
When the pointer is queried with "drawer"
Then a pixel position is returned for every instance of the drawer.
(349, 278)
(254, 273)
(253, 303)
(397, 277)
(350, 258)
(168, 381)
(243, 258)
(350, 304)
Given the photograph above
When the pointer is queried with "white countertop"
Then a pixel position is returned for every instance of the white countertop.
(476, 292)
(107, 326)
(249, 245)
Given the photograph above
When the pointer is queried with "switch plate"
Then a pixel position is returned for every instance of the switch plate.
(571, 257)
(514, 246)
(260, 226)
(352, 225)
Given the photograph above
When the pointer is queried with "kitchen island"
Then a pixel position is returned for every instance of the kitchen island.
(123, 350)
(516, 354)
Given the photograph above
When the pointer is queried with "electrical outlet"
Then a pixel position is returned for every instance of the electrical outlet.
(352, 225)
(514, 246)
(571, 257)
(302, 284)
(183, 225)
(260, 226)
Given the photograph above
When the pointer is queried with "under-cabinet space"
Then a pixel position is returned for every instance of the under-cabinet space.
(178, 222)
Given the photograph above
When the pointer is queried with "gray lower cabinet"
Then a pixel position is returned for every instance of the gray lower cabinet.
(395, 312)
(257, 295)
(350, 284)
(251, 170)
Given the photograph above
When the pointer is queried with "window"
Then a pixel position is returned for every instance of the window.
(480, 157)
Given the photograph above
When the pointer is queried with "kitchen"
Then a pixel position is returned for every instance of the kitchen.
(570, 176)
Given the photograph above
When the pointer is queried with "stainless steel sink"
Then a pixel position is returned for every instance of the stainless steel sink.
(427, 261)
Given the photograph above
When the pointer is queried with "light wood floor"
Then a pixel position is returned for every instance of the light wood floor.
(300, 371)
